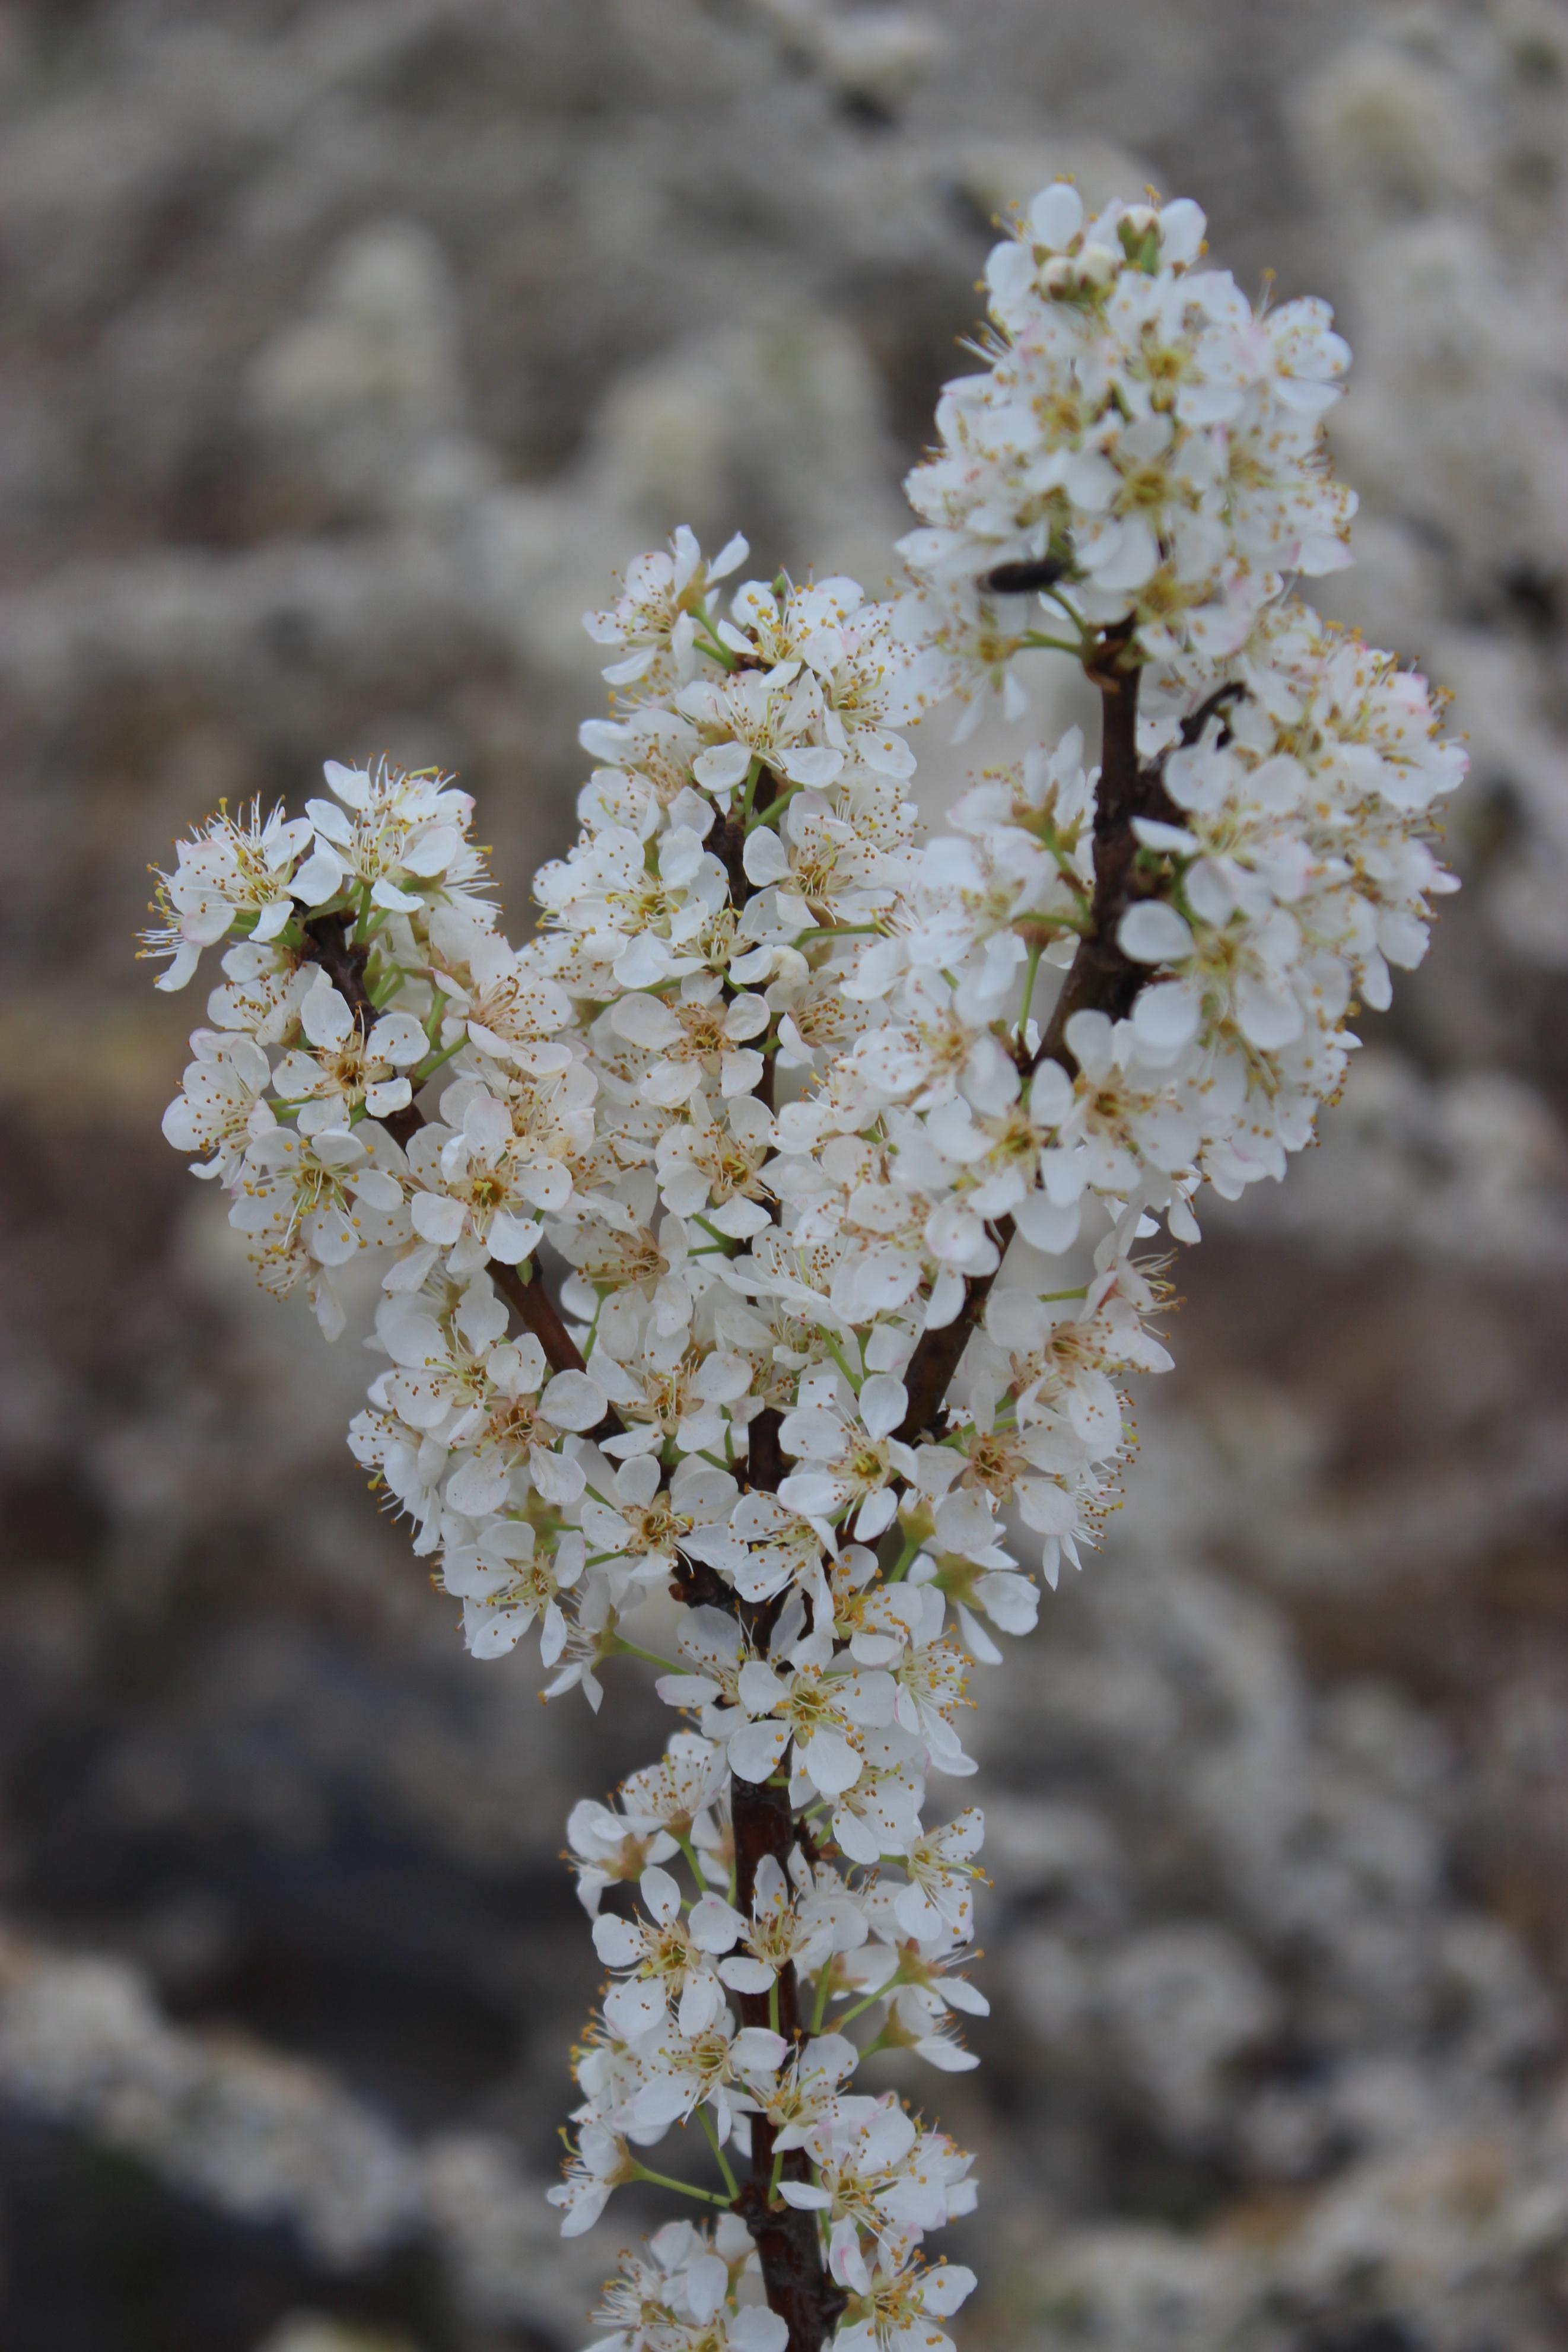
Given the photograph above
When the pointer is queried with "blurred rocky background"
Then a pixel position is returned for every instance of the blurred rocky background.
(347, 347)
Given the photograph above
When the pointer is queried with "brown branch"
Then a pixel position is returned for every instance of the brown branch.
(788, 2241)
(764, 1458)
(533, 1302)
(328, 942)
(1100, 979)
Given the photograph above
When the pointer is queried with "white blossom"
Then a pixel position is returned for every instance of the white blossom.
(810, 1100)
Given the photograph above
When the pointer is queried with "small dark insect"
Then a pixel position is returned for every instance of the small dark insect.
(1215, 706)
(1018, 579)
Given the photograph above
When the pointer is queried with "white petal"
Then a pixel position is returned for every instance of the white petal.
(721, 767)
(766, 858)
(512, 1239)
(437, 1217)
(1056, 216)
(744, 1974)
(319, 878)
(809, 764)
(714, 1926)
(831, 1761)
(756, 1748)
(1152, 932)
(661, 1895)
(632, 2009)
(351, 785)
(884, 1401)
(573, 1401)
(1165, 1016)
(644, 1020)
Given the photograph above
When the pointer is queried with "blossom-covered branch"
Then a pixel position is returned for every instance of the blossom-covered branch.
(782, 1081)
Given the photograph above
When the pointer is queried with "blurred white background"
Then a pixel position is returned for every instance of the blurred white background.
(348, 347)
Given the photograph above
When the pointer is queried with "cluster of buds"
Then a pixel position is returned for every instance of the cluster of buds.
(775, 1088)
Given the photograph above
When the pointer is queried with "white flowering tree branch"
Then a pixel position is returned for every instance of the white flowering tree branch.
(782, 1082)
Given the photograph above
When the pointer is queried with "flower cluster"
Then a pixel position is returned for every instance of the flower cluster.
(778, 1084)
(1142, 432)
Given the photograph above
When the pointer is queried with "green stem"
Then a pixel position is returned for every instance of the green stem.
(618, 1647)
(848, 2016)
(1070, 608)
(716, 648)
(707, 2122)
(1028, 988)
(428, 1067)
(775, 806)
(900, 1568)
(1036, 639)
(722, 1240)
(752, 774)
(682, 2188)
(838, 931)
